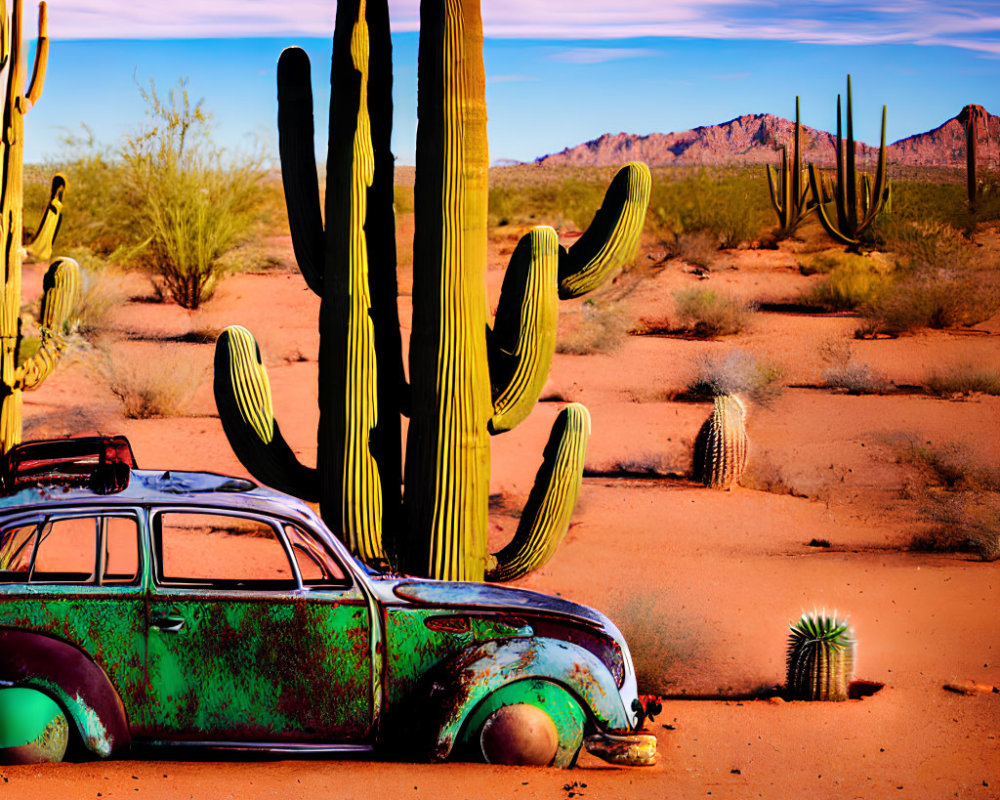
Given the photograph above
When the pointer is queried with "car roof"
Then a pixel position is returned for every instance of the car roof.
(164, 488)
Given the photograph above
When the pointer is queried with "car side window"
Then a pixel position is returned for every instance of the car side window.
(219, 551)
(71, 549)
(316, 566)
(17, 544)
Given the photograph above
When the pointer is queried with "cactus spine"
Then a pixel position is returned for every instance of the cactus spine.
(467, 381)
(820, 658)
(854, 217)
(62, 278)
(721, 445)
(789, 191)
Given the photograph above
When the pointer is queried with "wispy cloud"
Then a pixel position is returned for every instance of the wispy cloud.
(599, 55)
(967, 24)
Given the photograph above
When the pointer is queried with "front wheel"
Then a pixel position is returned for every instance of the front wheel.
(529, 723)
(33, 728)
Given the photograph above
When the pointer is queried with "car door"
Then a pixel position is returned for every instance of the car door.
(75, 574)
(251, 639)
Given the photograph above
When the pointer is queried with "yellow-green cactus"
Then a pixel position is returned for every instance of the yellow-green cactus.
(39, 246)
(468, 381)
(721, 446)
(62, 278)
(789, 192)
(820, 659)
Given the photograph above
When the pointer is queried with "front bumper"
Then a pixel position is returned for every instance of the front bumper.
(626, 750)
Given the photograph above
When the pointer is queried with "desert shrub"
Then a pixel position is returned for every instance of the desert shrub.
(602, 327)
(965, 379)
(853, 282)
(825, 262)
(737, 371)
(937, 282)
(402, 199)
(188, 202)
(708, 313)
(763, 475)
(149, 388)
(100, 293)
(856, 377)
(700, 248)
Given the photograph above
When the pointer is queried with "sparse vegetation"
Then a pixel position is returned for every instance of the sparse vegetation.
(737, 371)
(708, 313)
(149, 388)
(602, 326)
(965, 379)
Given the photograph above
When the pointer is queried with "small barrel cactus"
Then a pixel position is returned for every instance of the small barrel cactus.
(820, 658)
(720, 451)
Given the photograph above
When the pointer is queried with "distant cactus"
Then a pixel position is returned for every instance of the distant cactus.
(854, 215)
(789, 190)
(820, 658)
(467, 381)
(720, 453)
(971, 117)
(62, 279)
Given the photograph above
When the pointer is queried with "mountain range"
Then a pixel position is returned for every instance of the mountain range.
(755, 138)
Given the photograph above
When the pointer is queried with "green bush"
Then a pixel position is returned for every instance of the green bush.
(854, 283)
(708, 313)
(187, 202)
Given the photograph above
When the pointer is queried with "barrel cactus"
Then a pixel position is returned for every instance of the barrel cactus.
(820, 658)
(62, 279)
(720, 453)
(468, 380)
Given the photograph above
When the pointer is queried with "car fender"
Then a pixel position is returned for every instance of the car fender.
(463, 681)
(68, 675)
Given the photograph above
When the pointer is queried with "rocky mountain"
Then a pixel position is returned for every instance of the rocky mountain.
(754, 138)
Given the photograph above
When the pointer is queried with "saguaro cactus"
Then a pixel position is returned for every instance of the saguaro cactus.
(854, 215)
(820, 658)
(61, 280)
(787, 184)
(467, 381)
(720, 452)
(972, 118)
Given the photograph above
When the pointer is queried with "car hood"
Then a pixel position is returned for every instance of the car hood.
(481, 595)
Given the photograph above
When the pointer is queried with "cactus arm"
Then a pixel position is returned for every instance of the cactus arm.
(34, 92)
(298, 164)
(524, 331)
(851, 181)
(815, 181)
(4, 34)
(243, 397)
(547, 513)
(61, 286)
(775, 178)
(876, 194)
(40, 246)
(611, 240)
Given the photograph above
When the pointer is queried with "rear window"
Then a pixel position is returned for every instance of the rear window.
(75, 549)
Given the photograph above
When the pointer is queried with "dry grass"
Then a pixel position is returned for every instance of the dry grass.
(149, 388)
(845, 373)
(708, 313)
(763, 475)
(965, 379)
(602, 326)
(737, 371)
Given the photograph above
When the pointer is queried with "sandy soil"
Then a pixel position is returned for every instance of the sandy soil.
(703, 583)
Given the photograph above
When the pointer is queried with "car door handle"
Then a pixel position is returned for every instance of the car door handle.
(168, 624)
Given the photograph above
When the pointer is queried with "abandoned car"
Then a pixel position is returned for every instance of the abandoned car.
(184, 608)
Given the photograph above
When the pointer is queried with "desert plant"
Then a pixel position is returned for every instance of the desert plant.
(820, 657)
(708, 313)
(466, 382)
(853, 219)
(601, 327)
(964, 379)
(789, 192)
(856, 377)
(720, 451)
(971, 117)
(189, 202)
(61, 279)
(737, 371)
(147, 389)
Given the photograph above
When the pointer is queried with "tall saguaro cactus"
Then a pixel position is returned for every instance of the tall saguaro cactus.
(854, 215)
(61, 280)
(467, 381)
(789, 191)
(973, 119)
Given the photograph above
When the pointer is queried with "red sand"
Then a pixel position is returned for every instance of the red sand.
(703, 583)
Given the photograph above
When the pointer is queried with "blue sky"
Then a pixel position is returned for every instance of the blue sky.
(558, 73)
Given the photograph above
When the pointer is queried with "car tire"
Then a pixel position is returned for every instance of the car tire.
(33, 727)
(529, 723)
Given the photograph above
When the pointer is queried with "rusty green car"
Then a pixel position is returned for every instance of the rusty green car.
(195, 609)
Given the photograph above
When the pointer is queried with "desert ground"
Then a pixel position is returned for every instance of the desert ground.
(703, 583)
